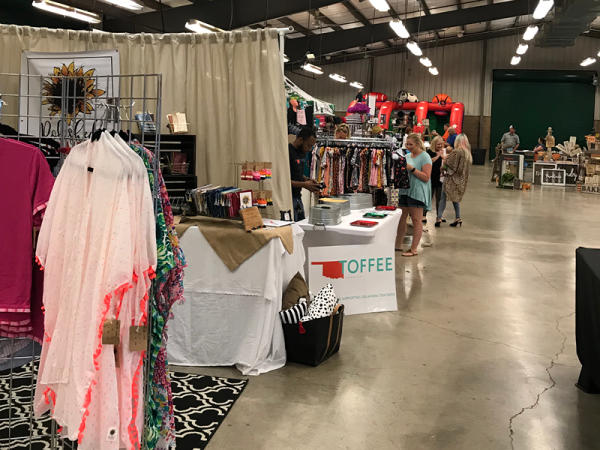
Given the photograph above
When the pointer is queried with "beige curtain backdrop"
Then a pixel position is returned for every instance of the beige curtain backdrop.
(230, 85)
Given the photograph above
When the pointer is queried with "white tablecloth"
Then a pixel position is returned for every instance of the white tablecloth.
(346, 234)
(231, 318)
(346, 242)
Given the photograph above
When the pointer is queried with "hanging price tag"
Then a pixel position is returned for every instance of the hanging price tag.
(138, 338)
(111, 332)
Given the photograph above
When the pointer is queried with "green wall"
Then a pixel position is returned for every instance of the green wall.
(533, 100)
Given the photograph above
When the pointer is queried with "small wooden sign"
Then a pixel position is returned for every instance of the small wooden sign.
(252, 218)
(553, 177)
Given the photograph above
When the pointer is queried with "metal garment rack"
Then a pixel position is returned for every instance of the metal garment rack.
(372, 142)
(50, 111)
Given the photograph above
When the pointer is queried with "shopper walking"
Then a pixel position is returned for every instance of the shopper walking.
(417, 197)
(436, 152)
(457, 166)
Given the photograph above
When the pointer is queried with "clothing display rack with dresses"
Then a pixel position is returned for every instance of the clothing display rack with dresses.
(352, 165)
(62, 112)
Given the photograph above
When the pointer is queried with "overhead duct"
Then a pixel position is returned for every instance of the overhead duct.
(571, 18)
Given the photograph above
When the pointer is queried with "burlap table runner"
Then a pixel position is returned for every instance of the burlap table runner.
(231, 242)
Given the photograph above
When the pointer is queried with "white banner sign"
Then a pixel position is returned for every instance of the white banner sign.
(67, 94)
(363, 276)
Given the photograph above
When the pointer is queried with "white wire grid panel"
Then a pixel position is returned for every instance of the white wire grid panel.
(55, 112)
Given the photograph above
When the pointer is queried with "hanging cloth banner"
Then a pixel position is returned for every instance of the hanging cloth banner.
(320, 106)
(67, 107)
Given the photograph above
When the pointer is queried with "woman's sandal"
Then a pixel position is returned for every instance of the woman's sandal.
(409, 253)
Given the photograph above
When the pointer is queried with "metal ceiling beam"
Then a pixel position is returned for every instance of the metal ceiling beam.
(361, 18)
(330, 23)
(343, 40)
(299, 28)
(434, 43)
(154, 4)
(222, 14)
(99, 8)
(356, 13)
(427, 12)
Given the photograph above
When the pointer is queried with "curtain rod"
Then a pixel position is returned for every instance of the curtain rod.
(285, 30)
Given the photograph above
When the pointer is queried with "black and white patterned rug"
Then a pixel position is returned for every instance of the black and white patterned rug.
(201, 404)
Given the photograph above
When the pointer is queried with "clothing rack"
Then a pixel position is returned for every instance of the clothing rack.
(369, 142)
(352, 165)
(42, 109)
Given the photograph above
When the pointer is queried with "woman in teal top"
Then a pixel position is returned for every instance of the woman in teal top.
(415, 200)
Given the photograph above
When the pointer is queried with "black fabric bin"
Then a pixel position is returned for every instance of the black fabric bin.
(478, 156)
(314, 341)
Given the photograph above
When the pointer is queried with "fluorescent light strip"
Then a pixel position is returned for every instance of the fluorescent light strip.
(530, 32)
(542, 9)
(425, 61)
(434, 71)
(587, 62)
(380, 5)
(399, 29)
(313, 69)
(357, 85)
(522, 49)
(200, 27)
(414, 48)
(125, 4)
(338, 78)
(67, 11)
(285, 58)
(515, 60)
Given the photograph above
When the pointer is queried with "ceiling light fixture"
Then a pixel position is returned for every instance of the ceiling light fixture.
(310, 55)
(67, 11)
(414, 48)
(357, 85)
(530, 32)
(200, 27)
(542, 9)
(380, 5)
(338, 78)
(285, 58)
(515, 60)
(587, 62)
(125, 4)
(433, 71)
(399, 29)
(425, 61)
(312, 69)
(522, 49)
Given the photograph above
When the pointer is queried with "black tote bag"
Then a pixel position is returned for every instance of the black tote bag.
(314, 341)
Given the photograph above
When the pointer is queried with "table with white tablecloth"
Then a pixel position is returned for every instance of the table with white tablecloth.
(370, 286)
(232, 317)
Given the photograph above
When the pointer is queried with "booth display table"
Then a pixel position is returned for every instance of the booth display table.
(359, 262)
(587, 318)
(232, 317)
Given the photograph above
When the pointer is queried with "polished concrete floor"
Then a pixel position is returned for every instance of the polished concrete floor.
(480, 355)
